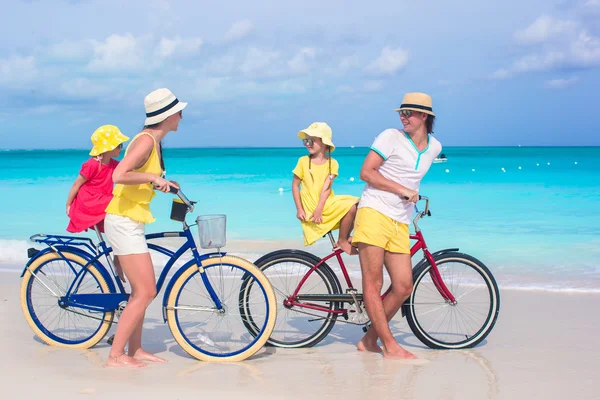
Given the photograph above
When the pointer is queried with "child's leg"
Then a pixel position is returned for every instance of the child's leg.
(346, 226)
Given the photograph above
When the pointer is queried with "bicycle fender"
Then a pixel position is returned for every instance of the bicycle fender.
(259, 263)
(79, 252)
(424, 260)
(440, 252)
(262, 259)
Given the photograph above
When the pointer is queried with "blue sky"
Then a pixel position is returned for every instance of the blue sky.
(255, 72)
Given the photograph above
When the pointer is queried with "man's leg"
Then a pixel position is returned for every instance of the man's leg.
(400, 270)
(371, 265)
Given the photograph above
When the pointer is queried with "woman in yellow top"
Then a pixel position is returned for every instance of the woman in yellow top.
(137, 175)
(318, 209)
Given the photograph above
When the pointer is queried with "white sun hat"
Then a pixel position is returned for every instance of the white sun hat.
(160, 105)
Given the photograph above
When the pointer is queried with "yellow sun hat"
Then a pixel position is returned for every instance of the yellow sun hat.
(106, 138)
(320, 130)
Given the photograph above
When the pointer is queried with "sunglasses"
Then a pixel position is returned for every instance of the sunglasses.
(406, 113)
(120, 146)
(308, 141)
(181, 114)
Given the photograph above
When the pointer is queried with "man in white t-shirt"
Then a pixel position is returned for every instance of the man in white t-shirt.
(393, 170)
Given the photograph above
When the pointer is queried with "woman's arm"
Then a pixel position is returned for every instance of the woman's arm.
(370, 174)
(74, 190)
(300, 213)
(136, 156)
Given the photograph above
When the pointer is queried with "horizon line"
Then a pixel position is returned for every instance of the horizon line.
(300, 147)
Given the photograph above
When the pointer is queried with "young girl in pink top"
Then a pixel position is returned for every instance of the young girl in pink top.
(92, 190)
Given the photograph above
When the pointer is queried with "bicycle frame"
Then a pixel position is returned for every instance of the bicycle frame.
(294, 299)
(106, 302)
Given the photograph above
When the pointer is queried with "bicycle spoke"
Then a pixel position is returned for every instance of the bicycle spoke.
(452, 324)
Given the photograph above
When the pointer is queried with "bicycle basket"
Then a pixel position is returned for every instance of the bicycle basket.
(178, 210)
(212, 230)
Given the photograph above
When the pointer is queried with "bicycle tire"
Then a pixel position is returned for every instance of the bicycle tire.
(286, 334)
(207, 345)
(428, 300)
(48, 329)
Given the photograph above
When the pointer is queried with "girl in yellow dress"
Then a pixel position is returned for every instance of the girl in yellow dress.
(318, 209)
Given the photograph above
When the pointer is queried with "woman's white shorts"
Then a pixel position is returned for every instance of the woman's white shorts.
(125, 235)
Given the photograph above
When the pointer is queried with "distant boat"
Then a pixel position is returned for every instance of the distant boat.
(440, 159)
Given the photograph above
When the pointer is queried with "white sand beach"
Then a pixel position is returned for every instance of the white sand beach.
(544, 346)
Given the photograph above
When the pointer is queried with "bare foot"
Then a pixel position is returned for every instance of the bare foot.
(124, 361)
(347, 247)
(367, 345)
(143, 355)
(398, 353)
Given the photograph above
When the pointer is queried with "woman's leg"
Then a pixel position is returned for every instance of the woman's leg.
(346, 225)
(140, 272)
(134, 349)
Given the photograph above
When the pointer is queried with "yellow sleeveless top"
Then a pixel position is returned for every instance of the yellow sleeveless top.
(133, 201)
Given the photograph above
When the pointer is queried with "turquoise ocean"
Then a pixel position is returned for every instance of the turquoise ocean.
(531, 214)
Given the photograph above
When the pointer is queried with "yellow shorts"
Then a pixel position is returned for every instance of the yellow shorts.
(374, 228)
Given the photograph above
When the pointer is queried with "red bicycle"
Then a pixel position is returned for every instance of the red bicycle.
(454, 303)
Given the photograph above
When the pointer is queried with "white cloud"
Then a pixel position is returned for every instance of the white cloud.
(366, 87)
(17, 70)
(586, 50)
(239, 30)
(538, 62)
(86, 88)
(300, 62)
(291, 87)
(166, 47)
(545, 28)
(389, 62)
(559, 44)
(560, 83)
(349, 62)
(345, 89)
(117, 52)
(71, 50)
(501, 73)
(373, 86)
(161, 15)
(210, 89)
(221, 65)
(178, 45)
(258, 62)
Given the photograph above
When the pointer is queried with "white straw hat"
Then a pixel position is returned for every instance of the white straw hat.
(161, 104)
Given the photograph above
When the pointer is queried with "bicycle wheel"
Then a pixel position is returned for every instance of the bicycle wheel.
(442, 325)
(297, 326)
(56, 325)
(207, 333)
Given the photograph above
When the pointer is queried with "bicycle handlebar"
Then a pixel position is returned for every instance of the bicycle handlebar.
(420, 214)
(183, 197)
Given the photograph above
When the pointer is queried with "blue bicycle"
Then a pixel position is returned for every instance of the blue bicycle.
(70, 299)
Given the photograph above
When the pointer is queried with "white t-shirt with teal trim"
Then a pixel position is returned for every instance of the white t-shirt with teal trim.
(403, 164)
